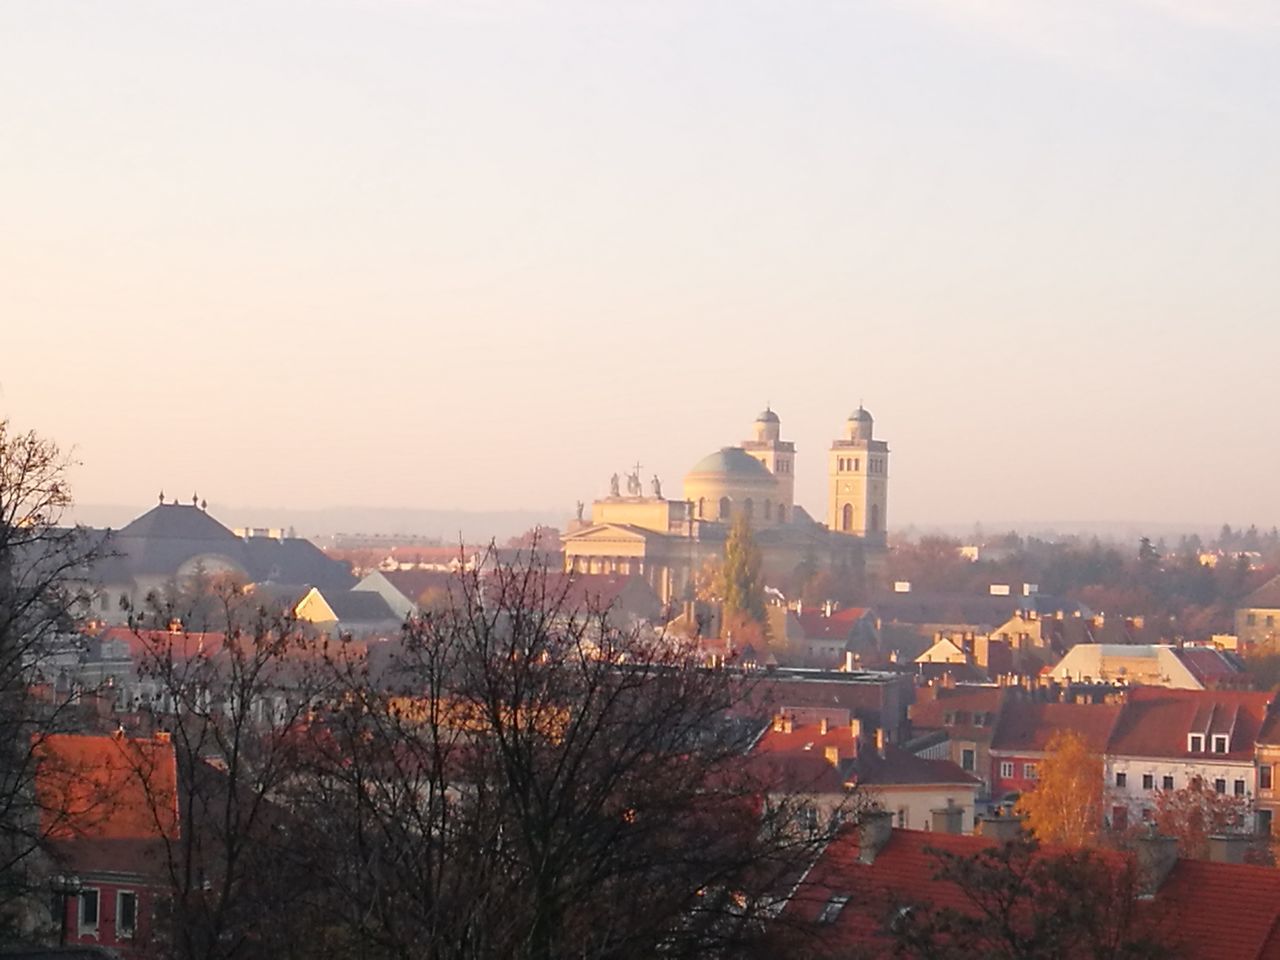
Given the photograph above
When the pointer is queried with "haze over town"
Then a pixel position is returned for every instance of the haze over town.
(428, 256)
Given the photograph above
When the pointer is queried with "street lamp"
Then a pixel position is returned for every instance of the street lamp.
(64, 886)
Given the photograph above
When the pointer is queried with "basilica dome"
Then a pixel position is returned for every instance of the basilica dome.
(731, 480)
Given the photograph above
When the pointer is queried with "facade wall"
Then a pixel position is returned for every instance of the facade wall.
(1138, 798)
(1259, 626)
(107, 932)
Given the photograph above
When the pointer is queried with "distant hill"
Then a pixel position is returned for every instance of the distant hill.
(473, 526)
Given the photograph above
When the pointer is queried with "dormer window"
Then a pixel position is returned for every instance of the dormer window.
(1195, 743)
(1220, 743)
(831, 909)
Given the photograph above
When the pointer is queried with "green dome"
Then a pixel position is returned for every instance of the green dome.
(732, 462)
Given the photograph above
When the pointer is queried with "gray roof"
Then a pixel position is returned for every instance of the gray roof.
(359, 606)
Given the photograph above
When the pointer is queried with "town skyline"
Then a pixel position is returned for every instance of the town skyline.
(414, 254)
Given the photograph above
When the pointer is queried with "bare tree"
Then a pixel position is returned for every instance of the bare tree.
(43, 589)
(522, 779)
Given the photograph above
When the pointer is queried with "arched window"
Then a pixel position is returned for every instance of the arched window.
(724, 508)
(856, 464)
(702, 502)
(748, 507)
(768, 510)
(846, 518)
(874, 520)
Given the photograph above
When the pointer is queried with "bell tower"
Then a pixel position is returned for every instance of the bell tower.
(779, 456)
(858, 481)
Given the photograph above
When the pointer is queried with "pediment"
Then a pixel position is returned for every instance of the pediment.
(611, 533)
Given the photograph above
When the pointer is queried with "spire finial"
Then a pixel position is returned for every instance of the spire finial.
(162, 496)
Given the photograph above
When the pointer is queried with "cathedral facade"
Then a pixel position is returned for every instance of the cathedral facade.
(667, 541)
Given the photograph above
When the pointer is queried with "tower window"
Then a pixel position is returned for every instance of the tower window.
(846, 518)
(702, 503)
(724, 508)
(873, 524)
(856, 464)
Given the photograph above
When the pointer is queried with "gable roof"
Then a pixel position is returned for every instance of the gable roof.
(839, 625)
(359, 606)
(1155, 722)
(1266, 597)
(1028, 725)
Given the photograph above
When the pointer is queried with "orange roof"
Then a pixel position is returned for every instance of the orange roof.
(107, 787)
(1224, 911)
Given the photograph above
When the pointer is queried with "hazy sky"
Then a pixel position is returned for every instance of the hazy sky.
(482, 255)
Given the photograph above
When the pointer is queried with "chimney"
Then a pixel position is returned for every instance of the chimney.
(1000, 829)
(875, 827)
(948, 819)
(1229, 847)
(1156, 857)
(824, 726)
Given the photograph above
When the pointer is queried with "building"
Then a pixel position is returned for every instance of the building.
(176, 544)
(1258, 617)
(1160, 665)
(111, 809)
(1023, 732)
(967, 717)
(1166, 739)
(667, 541)
(837, 766)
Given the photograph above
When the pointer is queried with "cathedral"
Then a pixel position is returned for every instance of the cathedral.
(667, 541)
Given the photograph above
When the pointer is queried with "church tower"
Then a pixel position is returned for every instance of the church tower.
(778, 455)
(858, 481)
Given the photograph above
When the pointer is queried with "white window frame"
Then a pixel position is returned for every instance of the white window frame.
(1006, 769)
(1223, 741)
(81, 925)
(126, 933)
(1195, 743)
(1030, 771)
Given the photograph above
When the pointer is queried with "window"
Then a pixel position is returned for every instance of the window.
(126, 913)
(1264, 777)
(873, 522)
(831, 909)
(1237, 788)
(966, 760)
(1264, 822)
(1148, 781)
(1219, 743)
(856, 464)
(1251, 619)
(88, 910)
(1122, 779)
(1271, 621)
(1166, 783)
(1119, 817)
(1220, 785)
(1006, 769)
(1195, 743)
(1029, 771)
(1148, 815)
(846, 518)
(724, 508)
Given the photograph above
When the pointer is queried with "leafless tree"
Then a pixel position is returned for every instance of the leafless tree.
(43, 590)
(522, 779)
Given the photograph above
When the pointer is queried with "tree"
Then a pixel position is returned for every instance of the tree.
(43, 566)
(741, 580)
(521, 779)
(1197, 812)
(1065, 808)
(1020, 902)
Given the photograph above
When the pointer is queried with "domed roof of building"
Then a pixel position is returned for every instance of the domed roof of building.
(732, 462)
(861, 414)
(768, 416)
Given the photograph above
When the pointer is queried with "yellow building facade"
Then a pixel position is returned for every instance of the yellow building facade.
(667, 541)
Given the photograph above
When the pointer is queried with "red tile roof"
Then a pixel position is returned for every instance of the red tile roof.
(107, 787)
(1224, 911)
(1155, 722)
(1210, 911)
(1027, 726)
(839, 625)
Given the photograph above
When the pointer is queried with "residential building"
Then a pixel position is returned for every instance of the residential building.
(1258, 617)
(1023, 732)
(1162, 665)
(1168, 739)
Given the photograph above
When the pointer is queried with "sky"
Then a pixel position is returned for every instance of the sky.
(482, 255)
